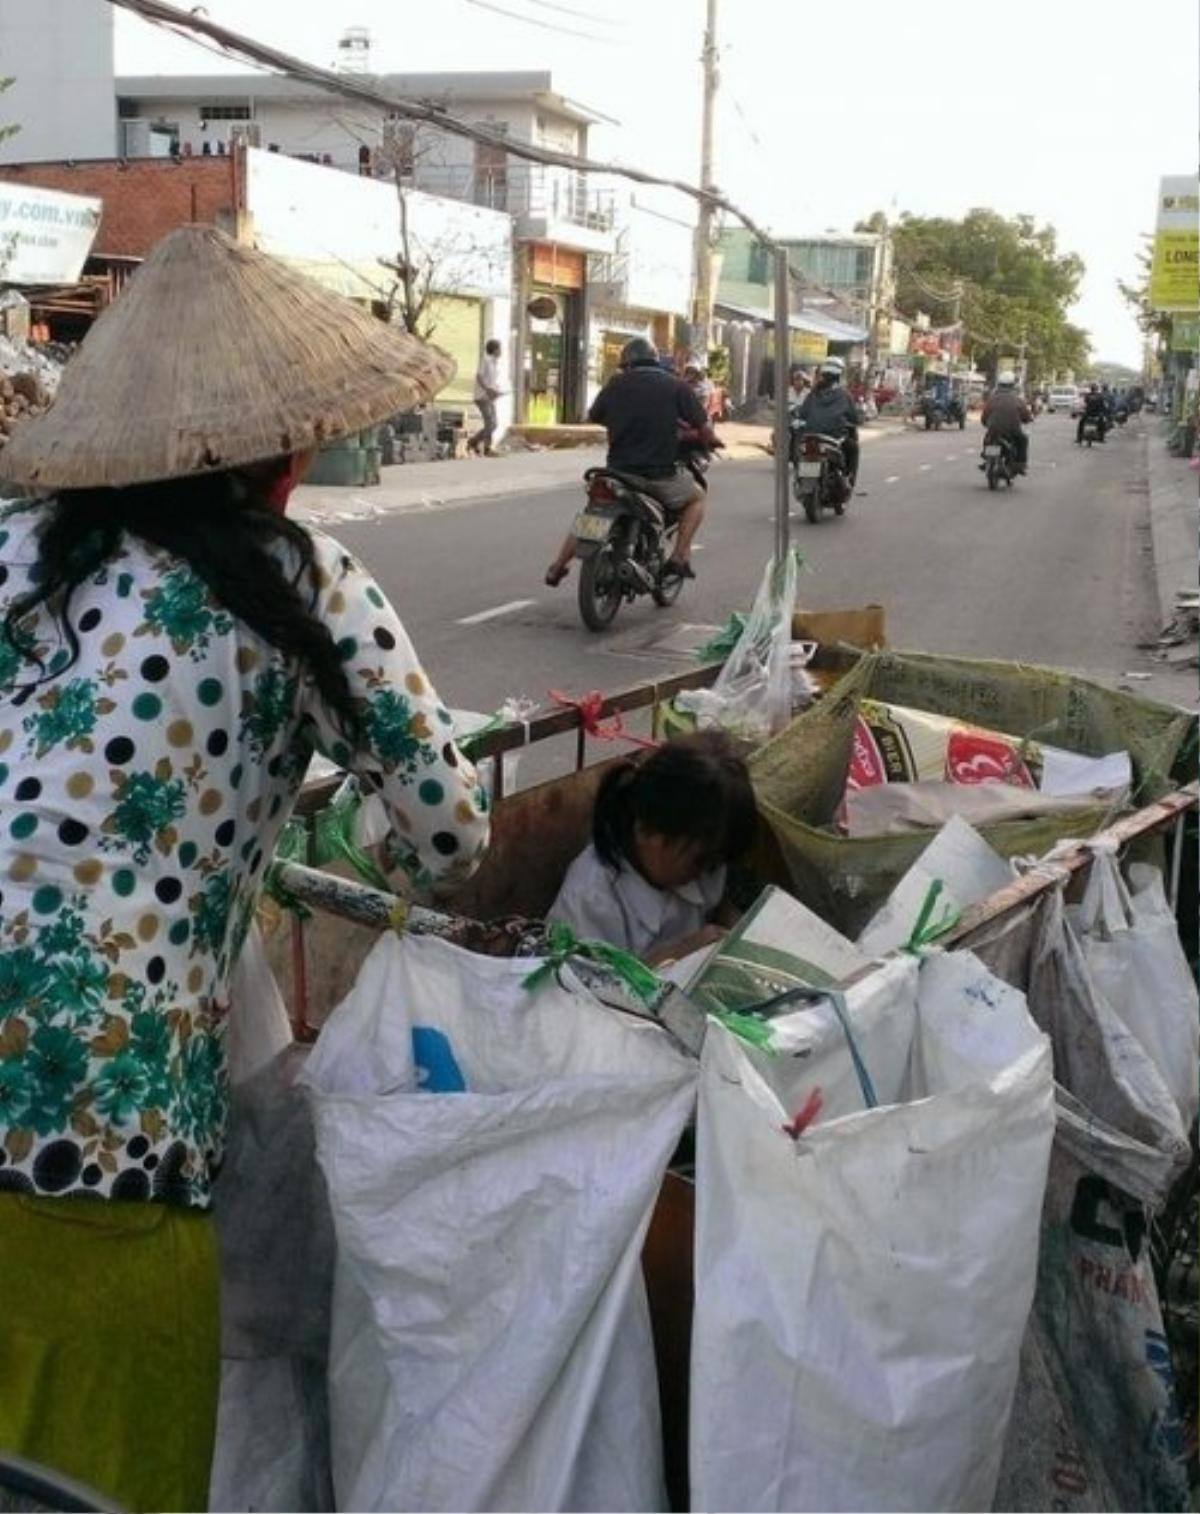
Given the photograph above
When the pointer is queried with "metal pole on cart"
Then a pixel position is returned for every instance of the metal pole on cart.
(782, 440)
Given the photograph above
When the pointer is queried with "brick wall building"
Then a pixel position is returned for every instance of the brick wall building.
(144, 198)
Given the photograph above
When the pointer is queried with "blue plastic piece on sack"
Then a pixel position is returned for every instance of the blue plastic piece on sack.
(437, 1069)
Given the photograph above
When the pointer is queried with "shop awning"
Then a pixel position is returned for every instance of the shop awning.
(807, 320)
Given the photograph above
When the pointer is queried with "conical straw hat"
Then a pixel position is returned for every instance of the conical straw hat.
(215, 356)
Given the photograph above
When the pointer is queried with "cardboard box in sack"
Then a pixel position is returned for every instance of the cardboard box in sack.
(863, 1284)
(492, 1151)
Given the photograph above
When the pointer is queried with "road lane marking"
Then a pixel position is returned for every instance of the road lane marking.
(925, 467)
(951, 457)
(495, 613)
(895, 479)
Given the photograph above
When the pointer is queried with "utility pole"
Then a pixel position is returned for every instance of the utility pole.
(703, 303)
(875, 305)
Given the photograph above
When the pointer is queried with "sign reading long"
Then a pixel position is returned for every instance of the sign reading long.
(1175, 271)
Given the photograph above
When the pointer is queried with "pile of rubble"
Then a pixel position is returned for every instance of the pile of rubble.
(28, 382)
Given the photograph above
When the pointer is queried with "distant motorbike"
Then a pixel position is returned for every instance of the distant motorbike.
(1092, 431)
(939, 413)
(819, 477)
(999, 461)
(624, 539)
(1121, 414)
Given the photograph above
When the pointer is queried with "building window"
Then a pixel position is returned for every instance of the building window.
(226, 113)
(759, 264)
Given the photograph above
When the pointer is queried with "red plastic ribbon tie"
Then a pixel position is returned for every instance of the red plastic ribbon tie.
(589, 707)
(808, 1113)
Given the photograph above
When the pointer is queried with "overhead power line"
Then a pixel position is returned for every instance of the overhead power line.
(567, 10)
(545, 26)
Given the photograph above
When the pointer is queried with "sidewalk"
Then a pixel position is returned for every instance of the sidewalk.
(1173, 522)
(428, 486)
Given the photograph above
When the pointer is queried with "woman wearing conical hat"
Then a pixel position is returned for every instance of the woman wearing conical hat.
(173, 650)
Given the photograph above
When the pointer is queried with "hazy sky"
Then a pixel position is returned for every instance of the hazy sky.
(829, 112)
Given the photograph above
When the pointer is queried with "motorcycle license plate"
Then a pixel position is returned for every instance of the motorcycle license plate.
(809, 470)
(592, 527)
(991, 451)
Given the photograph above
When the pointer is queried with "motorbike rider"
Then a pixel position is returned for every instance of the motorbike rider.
(643, 409)
(829, 410)
(1005, 417)
(1094, 409)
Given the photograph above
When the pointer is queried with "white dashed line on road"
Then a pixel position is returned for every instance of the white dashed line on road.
(895, 479)
(495, 613)
(925, 467)
(951, 457)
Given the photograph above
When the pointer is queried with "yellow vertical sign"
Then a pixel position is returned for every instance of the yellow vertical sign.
(1175, 271)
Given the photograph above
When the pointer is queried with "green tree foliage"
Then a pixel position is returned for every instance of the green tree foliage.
(1015, 284)
(1137, 295)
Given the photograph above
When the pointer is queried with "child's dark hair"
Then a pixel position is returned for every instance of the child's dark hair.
(695, 788)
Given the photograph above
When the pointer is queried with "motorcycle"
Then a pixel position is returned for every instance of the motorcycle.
(1091, 430)
(819, 477)
(624, 539)
(1000, 462)
(1121, 415)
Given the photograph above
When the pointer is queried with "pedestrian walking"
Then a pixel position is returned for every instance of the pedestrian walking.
(173, 650)
(487, 392)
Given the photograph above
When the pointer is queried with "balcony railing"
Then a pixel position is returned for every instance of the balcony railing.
(521, 189)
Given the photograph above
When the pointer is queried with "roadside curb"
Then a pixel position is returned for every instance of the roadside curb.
(1173, 524)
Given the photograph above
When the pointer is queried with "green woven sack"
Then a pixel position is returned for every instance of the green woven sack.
(800, 776)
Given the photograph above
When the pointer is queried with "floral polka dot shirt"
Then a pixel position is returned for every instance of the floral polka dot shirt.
(142, 789)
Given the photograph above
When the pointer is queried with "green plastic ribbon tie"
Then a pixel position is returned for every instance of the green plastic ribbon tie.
(927, 930)
(292, 846)
(723, 641)
(562, 943)
(748, 1028)
(334, 838)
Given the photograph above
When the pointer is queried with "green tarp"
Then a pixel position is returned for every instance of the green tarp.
(800, 776)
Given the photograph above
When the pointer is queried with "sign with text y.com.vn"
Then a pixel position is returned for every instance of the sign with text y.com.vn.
(1175, 272)
(45, 236)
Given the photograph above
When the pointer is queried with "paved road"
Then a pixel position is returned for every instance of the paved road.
(1056, 570)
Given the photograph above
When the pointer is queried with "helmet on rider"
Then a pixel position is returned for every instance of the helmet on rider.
(639, 353)
(830, 372)
(1006, 380)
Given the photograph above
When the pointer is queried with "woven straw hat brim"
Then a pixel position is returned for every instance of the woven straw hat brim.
(216, 356)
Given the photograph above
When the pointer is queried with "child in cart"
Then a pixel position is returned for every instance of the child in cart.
(665, 827)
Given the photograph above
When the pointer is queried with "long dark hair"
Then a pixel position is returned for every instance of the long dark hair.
(695, 788)
(222, 526)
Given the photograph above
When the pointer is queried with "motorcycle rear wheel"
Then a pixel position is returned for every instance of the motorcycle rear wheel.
(812, 509)
(600, 591)
(993, 476)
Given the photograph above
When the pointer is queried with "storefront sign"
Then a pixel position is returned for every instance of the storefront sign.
(557, 267)
(808, 347)
(1185, 333)
(1175, 272)
(45, 236)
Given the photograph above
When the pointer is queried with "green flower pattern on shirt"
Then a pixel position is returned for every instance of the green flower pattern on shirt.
(147, 804)
(67, 715)
(181, 609)
(400, 736)
(142, 789)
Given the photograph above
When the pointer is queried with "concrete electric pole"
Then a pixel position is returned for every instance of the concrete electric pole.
(702, 305)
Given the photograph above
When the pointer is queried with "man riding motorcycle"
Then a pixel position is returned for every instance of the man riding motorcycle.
(1005, 416)
(1095, 408)
(830, 411)
(644, 409)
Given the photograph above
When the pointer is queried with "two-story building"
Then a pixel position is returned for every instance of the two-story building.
(825, 318)
(559, 217)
